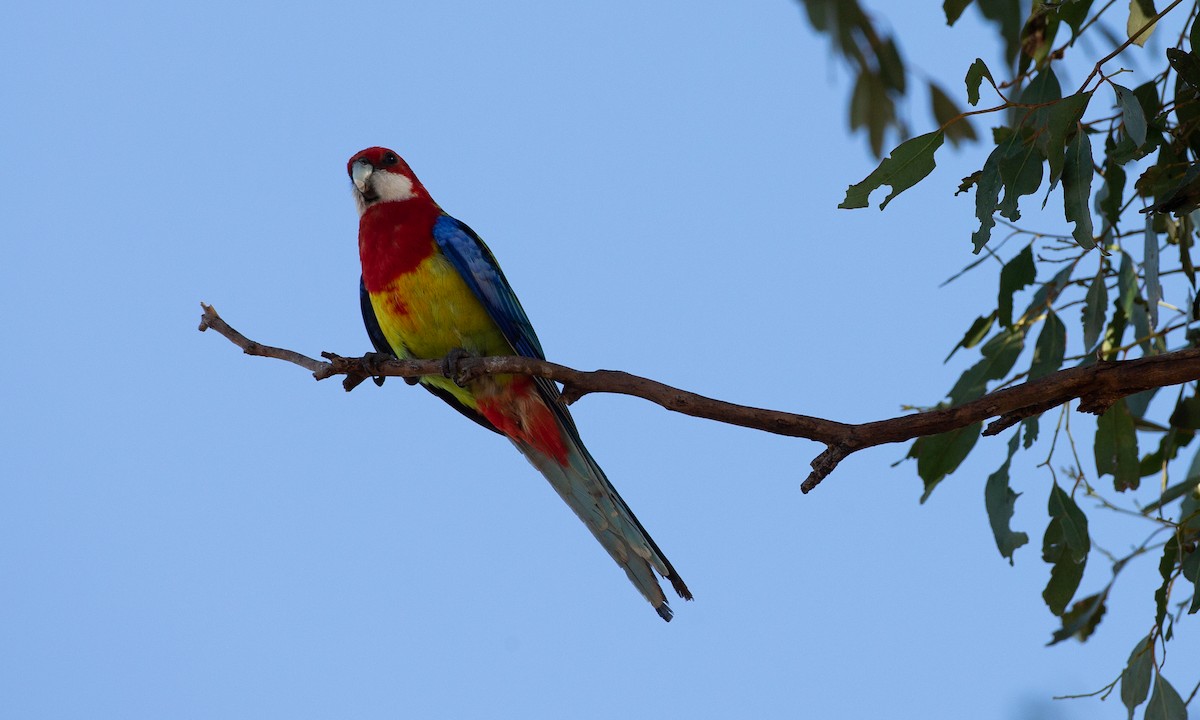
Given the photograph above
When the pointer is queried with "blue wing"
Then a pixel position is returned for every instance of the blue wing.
(374, 332)
(476, 264)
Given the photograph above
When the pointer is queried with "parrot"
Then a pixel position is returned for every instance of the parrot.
(430, 288)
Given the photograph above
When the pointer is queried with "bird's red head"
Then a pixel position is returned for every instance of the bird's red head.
(380, 175)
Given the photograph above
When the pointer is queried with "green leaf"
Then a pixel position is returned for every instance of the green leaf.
(1081, 620)
(1186, 414)
(1007, 15)
(1166, 569)
(1141, 326)
(1095, 307)
(999, 499)
(1116, 447)
(1046, 294)
(1077, 188)
(871, 104)
(1168, 448)
(1191, 572)
(1037, 37)
(1138, 403)
(999, 355)
(1126, 285)
(891, 66)
(945, 113)
(967, 182)
(975, 333)
(1187, 110)
(1073, 542)
(1189, 510)
(975, 75)
(1147, 95)
(1140, 13)
(1112, 194)
(1066, 546)
(1044, 88)
(1135, 678)
(860, 103)
(1114, 336)
(939, 455)
(1016, 274)
(1074, 13)
(908, 164)
(954, 9)
(1050, 348)
(987, 198)
(1186, 240)
(1031, 430)
(1177, 193)
(1131, 114)
(1061, 120)
(1165, 703)
(1021, 171)
(1174, 492)
(1150, 269)
(1186, 64)
(1065, 577)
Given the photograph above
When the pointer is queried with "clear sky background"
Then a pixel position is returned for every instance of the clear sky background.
(186, 532)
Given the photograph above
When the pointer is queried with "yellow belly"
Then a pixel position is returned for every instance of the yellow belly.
(430, 311)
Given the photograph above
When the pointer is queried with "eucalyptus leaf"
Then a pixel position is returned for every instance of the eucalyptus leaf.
(1165, 703)
(1116, 447)
(939, 455)
(1065, 545)
(999, 499)
(1081, 620)
(1150, 270)
(978, 330)
(908, 164)
(975, 75)
(1050, 348)
(999, 355)
(1186, 64)
(954, 9)
(1141, 12)
(987, 198)
(1166, 570)
(1135, 678)
(1095, 308)
(1016, 274)
(1061, 121)
(1131, 114)
(1077, 188)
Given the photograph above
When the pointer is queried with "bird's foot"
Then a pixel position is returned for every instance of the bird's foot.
(374, 360)
(452, 366)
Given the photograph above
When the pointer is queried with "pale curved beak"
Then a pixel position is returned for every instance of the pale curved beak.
(360, 173)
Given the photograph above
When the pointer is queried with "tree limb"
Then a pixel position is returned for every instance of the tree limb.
(1097, 386)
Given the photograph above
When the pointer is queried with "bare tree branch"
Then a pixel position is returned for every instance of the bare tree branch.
(1096, 386)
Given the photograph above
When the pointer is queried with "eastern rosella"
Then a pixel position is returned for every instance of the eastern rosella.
(429, 288)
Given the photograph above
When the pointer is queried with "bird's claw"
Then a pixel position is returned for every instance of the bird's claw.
(373, 361)
(452, 366)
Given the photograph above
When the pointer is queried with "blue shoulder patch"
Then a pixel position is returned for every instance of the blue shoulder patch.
(472, 259)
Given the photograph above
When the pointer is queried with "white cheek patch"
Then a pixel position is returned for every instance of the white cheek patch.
(390, 186)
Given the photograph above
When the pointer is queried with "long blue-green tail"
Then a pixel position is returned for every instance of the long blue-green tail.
(584, 487)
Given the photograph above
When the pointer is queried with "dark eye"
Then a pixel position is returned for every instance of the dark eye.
(389, 158)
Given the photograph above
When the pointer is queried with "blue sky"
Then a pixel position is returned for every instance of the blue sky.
(186, 532)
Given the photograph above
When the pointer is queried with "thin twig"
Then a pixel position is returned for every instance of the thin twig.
(1132, 39)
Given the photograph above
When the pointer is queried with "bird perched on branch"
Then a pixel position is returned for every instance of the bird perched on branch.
(430, 288)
